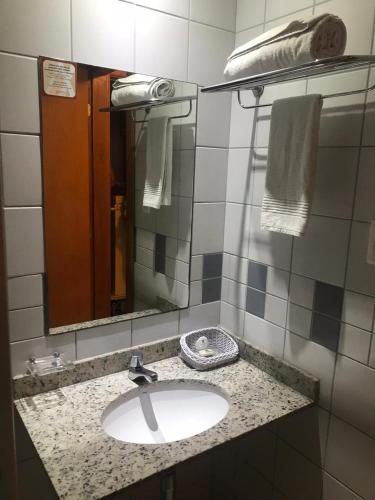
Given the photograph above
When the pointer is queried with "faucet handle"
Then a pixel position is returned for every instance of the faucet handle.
(136, 360)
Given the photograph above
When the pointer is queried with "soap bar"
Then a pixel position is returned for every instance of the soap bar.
(207, 353)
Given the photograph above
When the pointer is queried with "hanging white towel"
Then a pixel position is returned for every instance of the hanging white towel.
(292, 156)
(158, 182)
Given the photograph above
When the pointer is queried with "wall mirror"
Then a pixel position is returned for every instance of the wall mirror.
(118, 152)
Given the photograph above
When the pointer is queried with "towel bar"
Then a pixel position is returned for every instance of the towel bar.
(147, 111)
(320, 67)
(148, 104)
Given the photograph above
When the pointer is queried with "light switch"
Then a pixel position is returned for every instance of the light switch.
(371, 244)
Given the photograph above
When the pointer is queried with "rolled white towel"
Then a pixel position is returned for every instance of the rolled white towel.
(137, 87)
(298, 42)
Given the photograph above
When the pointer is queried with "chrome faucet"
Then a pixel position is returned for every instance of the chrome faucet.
(138, 373)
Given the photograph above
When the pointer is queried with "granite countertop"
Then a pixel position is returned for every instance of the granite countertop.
(84, 463)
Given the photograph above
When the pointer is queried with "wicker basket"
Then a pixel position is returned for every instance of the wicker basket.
(217, 340)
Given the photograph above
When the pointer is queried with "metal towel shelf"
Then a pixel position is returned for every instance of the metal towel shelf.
(147, 105)
(320, 67)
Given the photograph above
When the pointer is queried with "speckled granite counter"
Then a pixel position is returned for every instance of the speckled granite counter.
(85, 463)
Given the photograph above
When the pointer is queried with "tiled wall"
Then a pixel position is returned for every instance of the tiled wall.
(163, 236)
(181, 39)
(311, 300)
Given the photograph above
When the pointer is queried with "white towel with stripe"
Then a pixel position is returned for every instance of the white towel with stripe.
(292, 157)
(158, 181)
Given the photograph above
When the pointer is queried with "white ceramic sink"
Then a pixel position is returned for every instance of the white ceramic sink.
(163, 412)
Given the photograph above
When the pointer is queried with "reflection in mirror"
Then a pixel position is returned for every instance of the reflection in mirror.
(118, 167)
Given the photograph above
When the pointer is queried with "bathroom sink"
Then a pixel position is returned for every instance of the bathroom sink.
(165, 411)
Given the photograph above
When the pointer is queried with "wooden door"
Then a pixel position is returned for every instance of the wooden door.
(66, 145)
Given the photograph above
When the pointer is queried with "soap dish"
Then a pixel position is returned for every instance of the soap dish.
(48, 364)
(225, 348)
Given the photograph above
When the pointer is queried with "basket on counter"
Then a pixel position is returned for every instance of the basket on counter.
(226, 347)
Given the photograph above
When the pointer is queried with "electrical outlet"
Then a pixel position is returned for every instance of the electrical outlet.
(371, 244)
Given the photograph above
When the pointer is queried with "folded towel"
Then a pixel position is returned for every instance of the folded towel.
(140, 88)
(291, 44)
(292, 155)
(158, 182)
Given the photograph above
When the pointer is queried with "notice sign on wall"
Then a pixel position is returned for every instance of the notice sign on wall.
(59, 78)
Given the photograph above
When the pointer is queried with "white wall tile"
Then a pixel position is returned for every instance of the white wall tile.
(232, 318)
(358, 22)
(313, 358)
(19, 77)
(321, 253)
(156, 53)
(307, 432)
(277, 282)
(24, 241)
(176, 7)
(259, 176)
(208, 227)
(26, 323)
(242, 121)
(358, 310)
(302, 290)
(208, 51)
(279, 8)
(38, 28)
(233, 292)
(152, 328)
(360, 276)
(210, 174)
(200, 316)
(196, 267)
(195, 297)
(341, 118)
(235, 268)
(43, 346)
(275, 310)
(145, 239)
(103, 33)
(22, 176)
(299, 320)
(354, 343)
(240, 175)
(268, 247)
(351, 458)
(187, 173)
(247, 35)
(185, 215)
(354, 394)
(249, 13)
(335, 182)
(265, 335)
(333, 489)
(213, 123)
(364, 209)
(236, 237)
(220, 13)
(144, 257)
(25, 291)
(103, 339)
